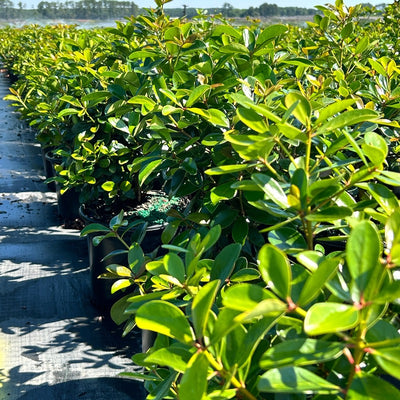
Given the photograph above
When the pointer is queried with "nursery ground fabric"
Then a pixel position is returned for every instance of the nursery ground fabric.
(53, 344)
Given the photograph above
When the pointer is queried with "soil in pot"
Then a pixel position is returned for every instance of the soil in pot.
(153, 211)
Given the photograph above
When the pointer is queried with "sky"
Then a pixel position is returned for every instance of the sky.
(241, 4)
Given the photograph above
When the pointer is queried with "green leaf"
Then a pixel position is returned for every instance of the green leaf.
(324, 318)
(224, 262)
(294, 380)
(347, 30)
(196, 94)
(275, 270)
(174, 266)
(388, 359)
(228, 169)
(108, 186)
(272, 189)
(316, 281)
(333, 109)
(253, 337)
(287, 239)
(245, 296)
(349, 118)
(222, 192)
(298, 352)
(175, 357)
(240, 230)
(68, 111)
(330, 214)
(270, 32)
(367, 386)
(302, 110)
(389, 178)
(211, 238)
(143, 100)
(201, 306)
(362, 254)
(194, 381)
(245, 275)
(120, 284)
(234, 48)
(93, 228)
(252, 119)
(135, 258)
(377, 66)
(384, 197)
(214, 116)
(148, 170)
(165, 318)
(375, 148)
(265, 308)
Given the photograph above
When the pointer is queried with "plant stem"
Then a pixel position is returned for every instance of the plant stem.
(218, 367)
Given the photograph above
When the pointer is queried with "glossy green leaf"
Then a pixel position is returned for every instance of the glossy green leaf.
(272, 189)
(388, 359)
(228, 169)
(302, 110)
(362, 254)
(287, 239)
(143, 100)
(201, 306)
(316, 281)
(329, 214)
(94, 228)
(375, 147)
(333, 109)
(252, 119)
(240, 230)
(234, 48)
(367, 386)
(148, 170)
(196, 94)
(245, 296)
(271, 32)
(120, 284)
(174, 357)
(389, 178)
(222, 192)
(135, 258)
(193, 384)
(384, 197)
(211, 238)
(347, 30)
(392, 230)
(108, 186)
(265, 308)
(275, 270)
(324, 318)
(298, 352)
(294, 380)
(214, 116)
(349, 118)
(165, 318)
(174, 266)
(226, 321)
(224, 262)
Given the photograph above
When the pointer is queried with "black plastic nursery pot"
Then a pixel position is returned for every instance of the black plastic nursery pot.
(101, 295)
(68, 202)
(48, 167)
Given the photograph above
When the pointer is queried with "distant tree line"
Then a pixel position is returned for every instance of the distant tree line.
(110, 9)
